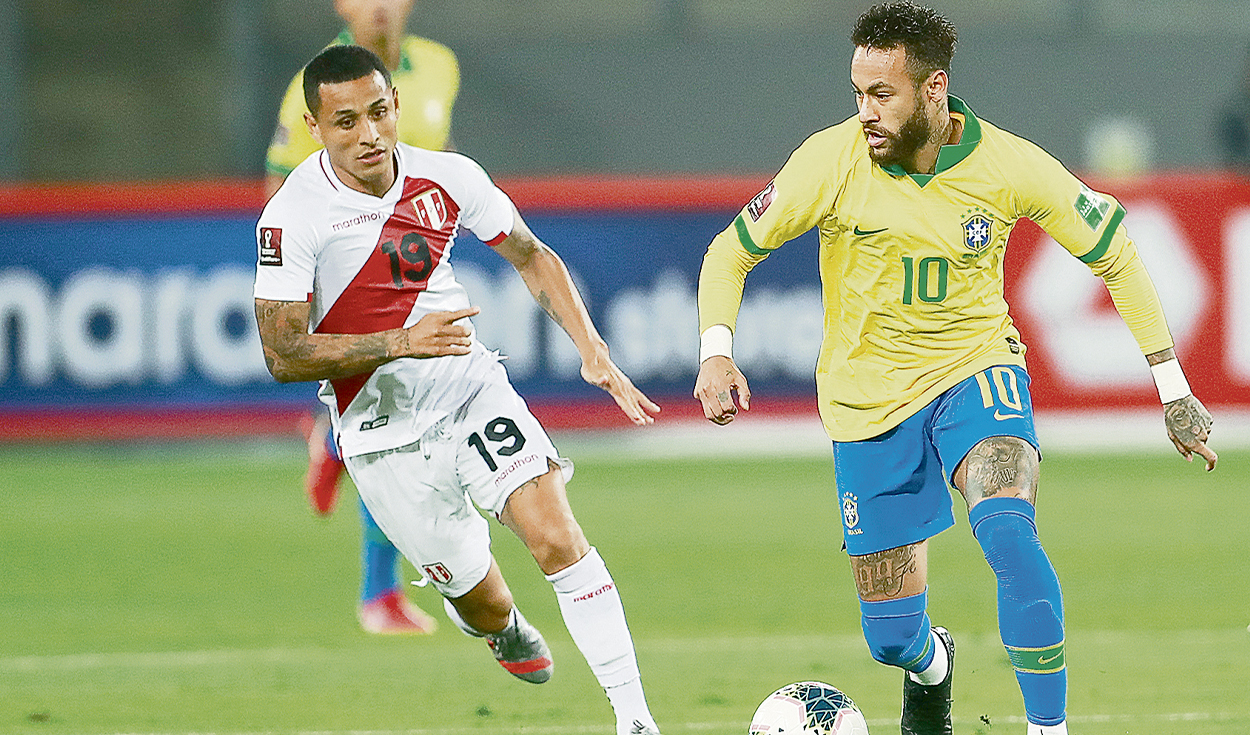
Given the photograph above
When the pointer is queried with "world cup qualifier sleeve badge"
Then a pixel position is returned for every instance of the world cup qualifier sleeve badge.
(979, 232)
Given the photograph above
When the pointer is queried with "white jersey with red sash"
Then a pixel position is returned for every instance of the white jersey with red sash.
(368, 264)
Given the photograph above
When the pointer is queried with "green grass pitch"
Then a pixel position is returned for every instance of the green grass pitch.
(189, 590)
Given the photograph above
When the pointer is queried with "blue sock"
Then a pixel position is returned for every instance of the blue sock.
(332, 449)
(897, 631)
(1030, 604)
(379, 559)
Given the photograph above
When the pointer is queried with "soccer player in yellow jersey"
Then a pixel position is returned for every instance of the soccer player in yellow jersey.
(427, 78)
(921, 378)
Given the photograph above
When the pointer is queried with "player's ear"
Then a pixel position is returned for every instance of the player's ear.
(313, 130)
(937, 85)
(395, 99)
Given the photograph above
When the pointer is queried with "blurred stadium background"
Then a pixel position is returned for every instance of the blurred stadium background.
(166, 577)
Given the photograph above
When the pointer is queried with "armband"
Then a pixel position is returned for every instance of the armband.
(716, 340)
(1170, 380)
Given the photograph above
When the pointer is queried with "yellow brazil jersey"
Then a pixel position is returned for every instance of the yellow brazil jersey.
(428, 80)
(911, 265)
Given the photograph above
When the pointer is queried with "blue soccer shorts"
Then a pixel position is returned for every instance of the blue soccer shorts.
(894, 489)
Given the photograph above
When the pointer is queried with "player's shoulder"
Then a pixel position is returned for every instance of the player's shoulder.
(428, 51)
(830, 150)
(1004, 143)
(449, 164)
(303, 193)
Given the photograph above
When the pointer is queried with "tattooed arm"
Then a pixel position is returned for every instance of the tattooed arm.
(292, 354)
(1188, 421)
(549, 281)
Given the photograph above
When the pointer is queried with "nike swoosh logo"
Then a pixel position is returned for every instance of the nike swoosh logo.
(1000, 416)
(1045, 661)
(869, 232)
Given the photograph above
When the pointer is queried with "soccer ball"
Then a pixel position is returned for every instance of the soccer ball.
(808, 708)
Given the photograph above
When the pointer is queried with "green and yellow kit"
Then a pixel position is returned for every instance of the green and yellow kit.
(911, 265)
(428, 80)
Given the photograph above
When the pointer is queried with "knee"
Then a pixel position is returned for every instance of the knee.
(897, 631)
(1005, 528)
(558, 547)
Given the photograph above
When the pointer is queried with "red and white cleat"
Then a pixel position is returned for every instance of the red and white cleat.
(393, 614)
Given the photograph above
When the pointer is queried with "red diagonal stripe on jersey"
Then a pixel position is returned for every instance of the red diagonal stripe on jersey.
(386, 287)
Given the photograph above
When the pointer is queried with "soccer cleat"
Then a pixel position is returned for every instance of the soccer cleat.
(927, 709)
(521, 650)
(393, 614)
(324, 469)
(640, 729)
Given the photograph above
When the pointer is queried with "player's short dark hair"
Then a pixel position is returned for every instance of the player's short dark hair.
(339, 64)
(925, 34)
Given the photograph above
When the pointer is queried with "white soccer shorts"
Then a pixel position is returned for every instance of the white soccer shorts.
(422, 495)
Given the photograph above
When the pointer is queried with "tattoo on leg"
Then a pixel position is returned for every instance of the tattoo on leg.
(545, 302)
(1000, 464)
(883, 573)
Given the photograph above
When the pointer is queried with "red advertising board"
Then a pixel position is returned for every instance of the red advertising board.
(1193, 232)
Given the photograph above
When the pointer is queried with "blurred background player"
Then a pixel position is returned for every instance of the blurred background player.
(921, 377)
(428, 79)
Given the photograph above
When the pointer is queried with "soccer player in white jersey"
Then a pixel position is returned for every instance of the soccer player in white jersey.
(354, 287)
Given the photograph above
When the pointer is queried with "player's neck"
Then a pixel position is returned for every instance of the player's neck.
(386, 45)
(948, 132)
(377, 186)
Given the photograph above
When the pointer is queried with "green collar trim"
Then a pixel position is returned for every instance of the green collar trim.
(405, 62)
(951, 154)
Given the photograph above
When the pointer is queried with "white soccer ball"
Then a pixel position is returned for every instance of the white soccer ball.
(808, 708)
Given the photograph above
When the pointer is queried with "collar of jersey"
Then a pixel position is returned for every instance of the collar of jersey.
(345, 190)
(951, 154)
(405, 61)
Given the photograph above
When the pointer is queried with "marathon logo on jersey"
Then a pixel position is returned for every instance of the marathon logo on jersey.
(431, 208)
(1092, 206)
(437, 572)
(271, 246)
(757, 206)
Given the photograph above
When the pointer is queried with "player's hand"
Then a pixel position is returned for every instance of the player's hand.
(718, 378)
(437, 334)
(1189, 425)
(601, 371)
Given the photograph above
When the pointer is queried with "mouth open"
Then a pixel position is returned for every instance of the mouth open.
(372, 157)
(875, 139)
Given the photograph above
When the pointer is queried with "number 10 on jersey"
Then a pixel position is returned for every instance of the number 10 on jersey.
(925, 279)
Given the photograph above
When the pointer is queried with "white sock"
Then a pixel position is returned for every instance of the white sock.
(1060, 729)
(936, 672)
(595, 619)
(626, 698)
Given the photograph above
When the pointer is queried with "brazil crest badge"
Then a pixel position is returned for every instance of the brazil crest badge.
(978, 231)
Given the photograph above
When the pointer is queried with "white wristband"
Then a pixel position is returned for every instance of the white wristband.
(1170, 380)
(716, 340)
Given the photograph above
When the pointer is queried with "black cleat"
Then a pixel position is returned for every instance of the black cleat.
(927, 709)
